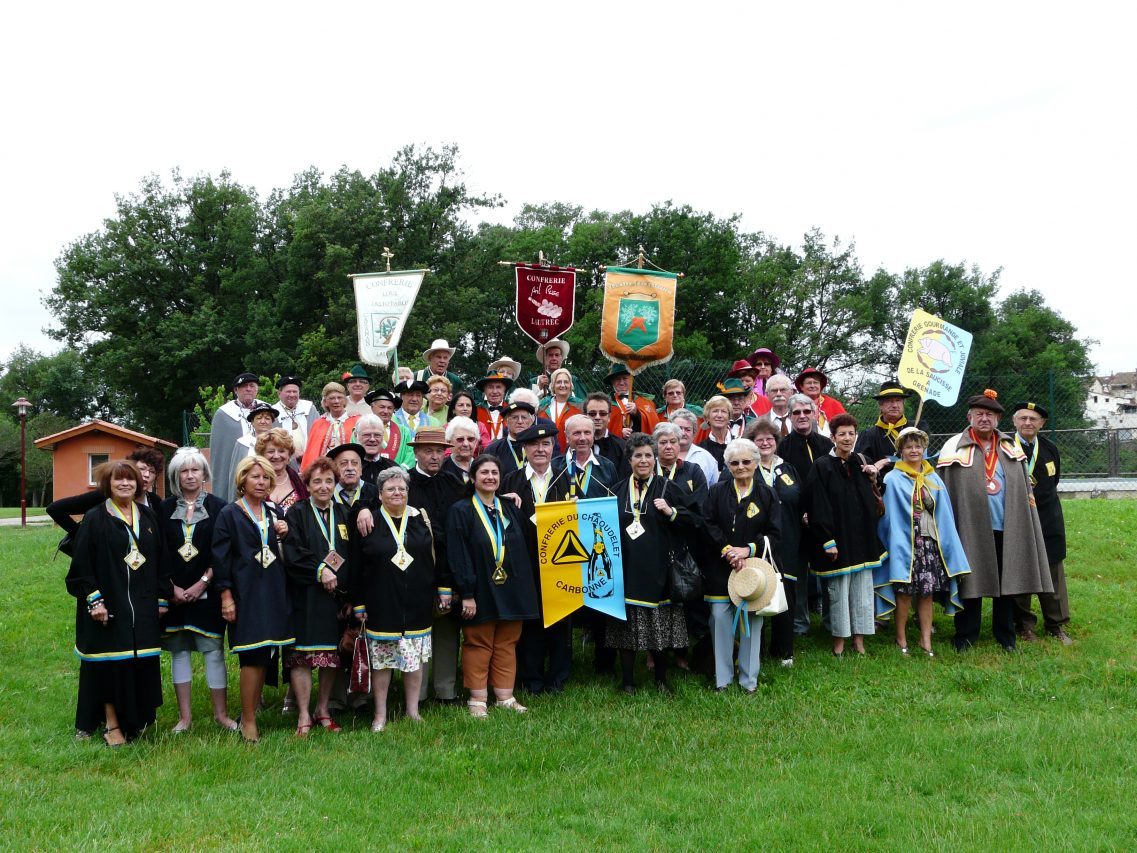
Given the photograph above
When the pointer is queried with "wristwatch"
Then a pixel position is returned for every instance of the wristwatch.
(205, 579)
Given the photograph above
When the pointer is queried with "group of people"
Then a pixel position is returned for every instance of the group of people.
(407, 516)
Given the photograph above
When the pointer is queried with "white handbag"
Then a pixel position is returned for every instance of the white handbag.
(778, 603)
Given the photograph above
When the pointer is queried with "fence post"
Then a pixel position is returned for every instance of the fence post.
(1053, 407)
(1113, 442)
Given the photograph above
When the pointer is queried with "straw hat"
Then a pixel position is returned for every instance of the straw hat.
(755, 583)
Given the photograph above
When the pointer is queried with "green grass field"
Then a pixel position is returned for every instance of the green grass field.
(14, 511)
(1032, 751)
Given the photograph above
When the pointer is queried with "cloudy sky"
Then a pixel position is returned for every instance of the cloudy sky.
(1001, 135)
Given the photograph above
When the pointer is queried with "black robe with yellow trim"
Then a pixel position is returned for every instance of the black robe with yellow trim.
(843, 510)
(399, 603)
(1047, 474)
(315, 611)
(204, 615)
(728, 521)
(788, 487)
(647, 558)
(472, 562)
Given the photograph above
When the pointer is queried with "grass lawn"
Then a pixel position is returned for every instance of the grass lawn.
(14, 511)
(1032, 751)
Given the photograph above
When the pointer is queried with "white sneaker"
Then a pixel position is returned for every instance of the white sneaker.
(787, 662)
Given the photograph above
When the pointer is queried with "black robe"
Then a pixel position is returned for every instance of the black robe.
(510, 455)
(788, 487)
(875, 444)
(472, 562)
(450, 467)
(315, 611)
(715, 449)
(132, 596)
(647, 558)
(601, 480)
(1047, 474)
(843, 510)
(372, 468)
(399, 603)
(204, 615)
(260, 592)
(612, 448)
(435, 495)
(728, 521)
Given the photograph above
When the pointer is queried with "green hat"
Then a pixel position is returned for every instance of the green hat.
(730, 387)
(618, 369)
(357, 372)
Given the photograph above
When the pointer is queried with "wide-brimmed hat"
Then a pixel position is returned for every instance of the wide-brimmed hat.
(243, 378)
(494, 376)
(765, 352)
(755, 583)
(288, 380)
(989, 400)
(741, 366)
(429, 435)
(1033, 407)
(412, 385)
(378, 394)
(618, 369)
(556, 343)
(892, 389)
(343, 448)
(358, 371)
(505, 361)
(730, 387)
(811, 371)
(258, 407)
(436, 345)
(540, 429)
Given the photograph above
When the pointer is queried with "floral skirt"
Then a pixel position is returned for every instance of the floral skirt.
(648, 628)
(315, 660)
(406, 654)
(929, 577)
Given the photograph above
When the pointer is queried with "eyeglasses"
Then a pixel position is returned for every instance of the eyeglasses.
(802, 412)
(738, 463)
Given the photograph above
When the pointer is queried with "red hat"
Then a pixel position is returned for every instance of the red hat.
(740, 367)
(811, 371)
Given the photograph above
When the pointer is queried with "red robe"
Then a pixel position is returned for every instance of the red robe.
(649, 417)
(320, 437)
(484, 420)
(827, 409)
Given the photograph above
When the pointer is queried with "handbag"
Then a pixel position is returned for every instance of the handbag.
(684, 575)
(360, 679)
(778, 603)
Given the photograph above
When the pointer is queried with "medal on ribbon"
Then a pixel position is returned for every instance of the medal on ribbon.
(134, 557)
(495, 530)
(333, 560)
(265, 556)
(402, 559)
(635, 500)
(188, 551)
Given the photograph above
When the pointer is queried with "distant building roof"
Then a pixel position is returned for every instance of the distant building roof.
(48, 442)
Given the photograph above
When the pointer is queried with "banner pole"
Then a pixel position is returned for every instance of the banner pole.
(919, 410)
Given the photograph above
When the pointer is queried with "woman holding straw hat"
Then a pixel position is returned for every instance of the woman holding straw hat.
(925, 555)
(742, 517)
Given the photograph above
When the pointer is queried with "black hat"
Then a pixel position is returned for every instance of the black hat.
(242, 378)
(892, 389)
(987, 400)
(519, 406)
(494, 376)
(351, 445)
(379, 394)
(541, 429)
(618, 369)
(1034, 407)
(411, 385)
(258, 407)
(288, 380)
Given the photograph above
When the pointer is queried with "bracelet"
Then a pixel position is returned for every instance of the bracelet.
(91, 607)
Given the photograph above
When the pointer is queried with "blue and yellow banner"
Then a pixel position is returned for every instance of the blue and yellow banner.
(578, 549)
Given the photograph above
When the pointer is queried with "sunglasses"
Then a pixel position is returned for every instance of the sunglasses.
(799, 412)
(597, 414)
(738, 463)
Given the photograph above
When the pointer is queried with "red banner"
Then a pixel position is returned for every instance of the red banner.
(546, 297)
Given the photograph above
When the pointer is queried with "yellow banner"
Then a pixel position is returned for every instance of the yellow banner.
(560, 554)
(934, 357)
(639, 317)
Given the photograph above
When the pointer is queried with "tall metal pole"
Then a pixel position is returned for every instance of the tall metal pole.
(23, 472)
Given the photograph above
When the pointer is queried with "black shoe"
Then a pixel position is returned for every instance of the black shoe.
(1009, 648)
(630, 689)
(664, 688)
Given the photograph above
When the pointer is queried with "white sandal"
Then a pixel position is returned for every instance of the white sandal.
(477, 708)
(378, 727)
(512, 704)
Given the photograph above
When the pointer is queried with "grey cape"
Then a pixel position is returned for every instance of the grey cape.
(1025, 568)
(228, 425)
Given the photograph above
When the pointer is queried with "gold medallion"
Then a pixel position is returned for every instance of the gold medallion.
(266, 556)
(187, 551)
(635, 530)
(134, 559)
(402, 559)
(499, 576)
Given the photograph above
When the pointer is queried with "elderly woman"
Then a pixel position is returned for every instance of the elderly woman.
(925, 555)
(688, 423)
(121, 584)
(194, 621)
(250, 577)
(675, 399)
(781, 477)
(465, 437)
(740, 515)
(395, 591)
(317, 566)
(438, 389)
(558, 408)
(716, 414)
(333, 428)
(492, 576)
(842, 519)
(653, 514)
(276, 446)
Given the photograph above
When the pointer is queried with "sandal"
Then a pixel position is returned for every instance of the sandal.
(477, 708)
(378, 727)
(302, 729)
(327, 723)
(230, 726)
(180, 729)
(106, 739)
(512, 704)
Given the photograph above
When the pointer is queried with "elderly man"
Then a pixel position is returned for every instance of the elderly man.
(688, 424)
(433, 491)
(369, 434)
(491, 416)
(812, 382)
(437, 357)
(778, 391)
(756, 401)
(354, 495)
(333, 428)
(519, 416)
(989, 486)
(383, 405)
(589, 474)
(358, 383)
(552, 356)
(1044, 466)
(410, 416)
(294, 414)
(542, 478)
(598, 409)
(878, 442)
(629, 413)
(737, 394)
(800, 448)
(230, 422)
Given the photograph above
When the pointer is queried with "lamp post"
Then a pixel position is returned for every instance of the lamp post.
(22, 406)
